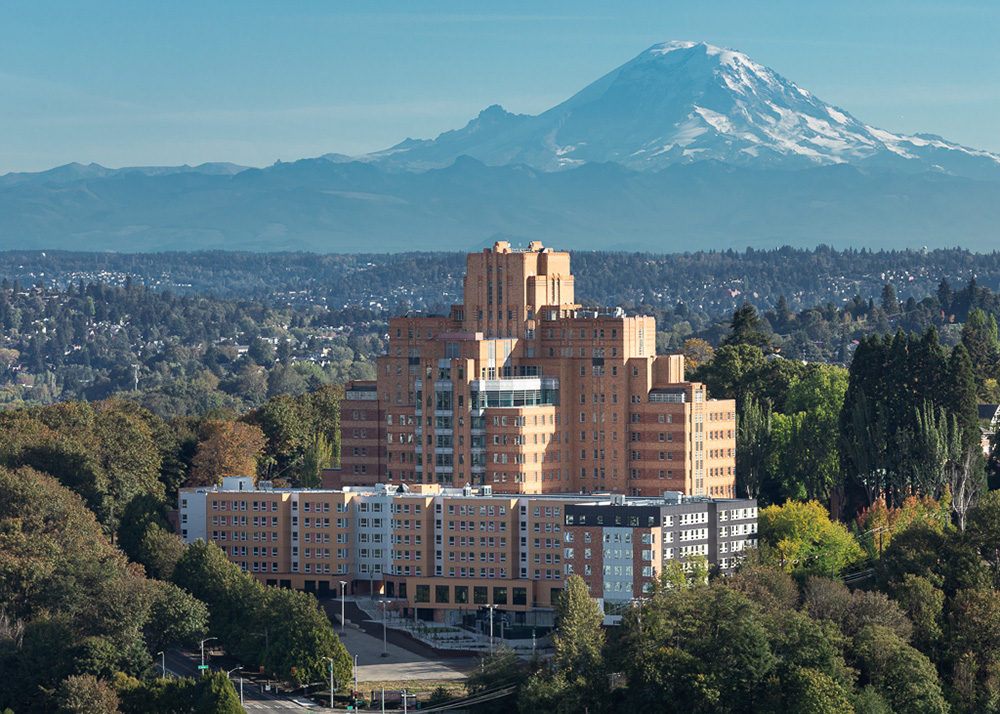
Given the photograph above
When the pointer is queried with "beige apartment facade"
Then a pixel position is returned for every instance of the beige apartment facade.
(445, 553)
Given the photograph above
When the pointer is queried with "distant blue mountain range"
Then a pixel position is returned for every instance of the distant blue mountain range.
(687, 146)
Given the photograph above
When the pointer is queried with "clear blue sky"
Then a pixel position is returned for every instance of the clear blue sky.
(136, 83)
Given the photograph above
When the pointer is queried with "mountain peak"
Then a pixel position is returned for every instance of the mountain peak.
(494, 111)
(724, 54)
(680, 102)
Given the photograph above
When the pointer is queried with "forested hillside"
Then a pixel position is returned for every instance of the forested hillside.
(93, 582)
(711, 281)
(187, 353)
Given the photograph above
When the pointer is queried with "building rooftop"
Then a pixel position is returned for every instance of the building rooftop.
(600, 498)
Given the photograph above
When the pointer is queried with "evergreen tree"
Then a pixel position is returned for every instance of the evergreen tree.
(746, 328)
(888, 301)
(945, 295)
(961, 392)
(863, 419)
(928, 368)
(979, 336)
(783, 312)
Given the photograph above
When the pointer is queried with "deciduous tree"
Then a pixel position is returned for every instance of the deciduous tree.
(802, 539)
(86, 694)
(227, 449)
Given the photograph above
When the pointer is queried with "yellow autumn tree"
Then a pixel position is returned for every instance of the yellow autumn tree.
(226, 449)
(696, 352)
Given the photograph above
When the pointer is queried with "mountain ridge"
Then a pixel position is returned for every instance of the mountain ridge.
(685, 144)
(323, 206)
(680, 102)
(75, 171)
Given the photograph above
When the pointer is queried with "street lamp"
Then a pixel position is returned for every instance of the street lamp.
(385, 646)
(163, 664)
(229, 675)
(492, 608)
(203, 651)
(264, 635)
(343, 596)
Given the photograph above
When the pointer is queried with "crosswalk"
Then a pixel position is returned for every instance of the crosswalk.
(272, 705)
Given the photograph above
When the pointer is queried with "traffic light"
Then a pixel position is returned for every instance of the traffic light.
(262, 669)
(293, 671)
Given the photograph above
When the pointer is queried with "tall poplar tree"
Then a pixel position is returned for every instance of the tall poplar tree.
(753, 439)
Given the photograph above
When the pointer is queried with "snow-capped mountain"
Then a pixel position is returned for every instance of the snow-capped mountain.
(686, 145)
(681, 102)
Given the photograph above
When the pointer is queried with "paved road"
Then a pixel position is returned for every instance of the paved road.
(407, 659)
(185, 664)
(256, 701)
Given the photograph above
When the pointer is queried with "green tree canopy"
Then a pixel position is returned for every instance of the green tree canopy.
(801, 538)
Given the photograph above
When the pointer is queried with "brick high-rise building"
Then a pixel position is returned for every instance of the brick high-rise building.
(521, 389)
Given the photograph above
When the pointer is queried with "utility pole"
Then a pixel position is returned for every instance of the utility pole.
(331, 680)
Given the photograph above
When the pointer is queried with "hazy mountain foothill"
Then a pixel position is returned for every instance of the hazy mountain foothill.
(686, 143)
